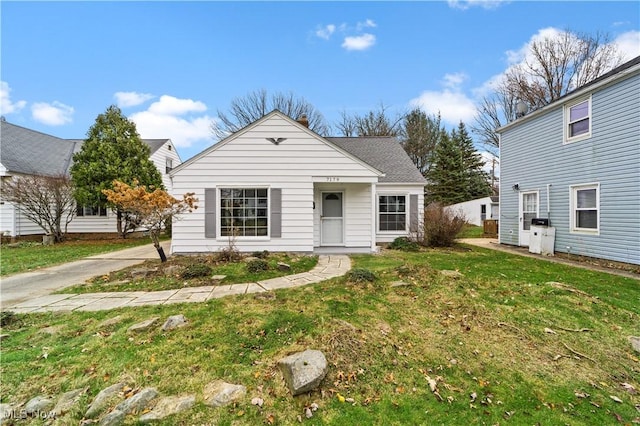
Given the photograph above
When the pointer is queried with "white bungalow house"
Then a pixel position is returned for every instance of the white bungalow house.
(28, 152)
(576, 164)
(276, 185)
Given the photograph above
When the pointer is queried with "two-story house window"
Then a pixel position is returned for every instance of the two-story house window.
(585, 207)
(168, 165)
(577, 118)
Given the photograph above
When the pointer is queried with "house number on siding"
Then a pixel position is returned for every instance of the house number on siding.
(333, 179)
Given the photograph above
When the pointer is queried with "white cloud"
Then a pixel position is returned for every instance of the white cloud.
(451, 103)
(169, 118)
(131, 99)
(326, 31)
(53, 114)
(169, 105)
(366, 24)
(467, 4)
(628, 44)
(6, 105)
(361, 42)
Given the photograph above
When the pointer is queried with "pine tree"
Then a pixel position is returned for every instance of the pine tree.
(477, 180)
(112, 151)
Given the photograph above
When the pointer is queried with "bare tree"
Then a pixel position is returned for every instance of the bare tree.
(420, 135)
(553, 67)
(373, 123)
(47, 201)
(255, 105)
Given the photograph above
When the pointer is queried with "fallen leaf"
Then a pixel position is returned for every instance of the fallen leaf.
(257, 401)
(270, 419)
(581, 394)
(341, 398)
(629, 388)
(473, 396)
(616, 399)
(307, 413)
(550, 331)
(433, 385)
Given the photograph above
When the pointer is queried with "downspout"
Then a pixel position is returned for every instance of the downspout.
(548, 204)
(373, 218)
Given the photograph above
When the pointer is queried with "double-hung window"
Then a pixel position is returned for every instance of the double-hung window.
(578, 120)
(585, 208)
(392, 213)
(91, 211)
(244, 212)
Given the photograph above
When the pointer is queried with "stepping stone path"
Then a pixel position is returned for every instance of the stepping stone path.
(303, 371)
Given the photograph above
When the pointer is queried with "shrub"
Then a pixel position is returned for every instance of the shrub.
(261, 254)
(404, 244)
(441, 226)
(228, 254)
(257, 265)
(196, 270)
(8, 318)
(361, 275)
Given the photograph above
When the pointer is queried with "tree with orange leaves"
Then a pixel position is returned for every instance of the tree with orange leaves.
(151, 209)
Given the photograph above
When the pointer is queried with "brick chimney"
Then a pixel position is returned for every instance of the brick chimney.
(303, 120)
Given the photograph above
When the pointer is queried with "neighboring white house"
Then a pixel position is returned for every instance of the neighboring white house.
(28, 152)
(476, 211)
(576, 162)
(276, 185)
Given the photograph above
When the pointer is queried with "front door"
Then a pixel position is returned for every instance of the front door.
(528, 210)
(332, 219)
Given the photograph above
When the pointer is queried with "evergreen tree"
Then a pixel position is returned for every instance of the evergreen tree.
(112, 151)
(477, 180)
(446, 178)
(456, 174)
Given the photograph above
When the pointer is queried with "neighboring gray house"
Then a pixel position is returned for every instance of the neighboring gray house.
(577, 162)
(28, 152)
(476, 211)
(277, 185)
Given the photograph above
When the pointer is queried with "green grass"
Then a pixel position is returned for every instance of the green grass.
(482, 333)
(28, 256)
(158, 279)
(471, 231)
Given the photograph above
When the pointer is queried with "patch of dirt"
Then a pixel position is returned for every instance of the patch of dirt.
(601, 263)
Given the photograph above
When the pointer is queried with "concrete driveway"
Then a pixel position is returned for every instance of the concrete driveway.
(18, 288)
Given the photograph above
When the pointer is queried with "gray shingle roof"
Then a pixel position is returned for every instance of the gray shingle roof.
(383, 153)
(27, 151)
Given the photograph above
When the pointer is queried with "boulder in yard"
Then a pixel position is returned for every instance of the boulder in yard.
(138, 402)
(303, 371)
(143, 326)
(635, 343)
(102, 399)
(167, 406)
(173, 322)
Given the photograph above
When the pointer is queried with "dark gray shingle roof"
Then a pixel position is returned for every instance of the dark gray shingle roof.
(385, 154)
(29, 152)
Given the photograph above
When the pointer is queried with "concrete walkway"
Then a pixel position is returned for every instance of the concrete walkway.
(329, 266)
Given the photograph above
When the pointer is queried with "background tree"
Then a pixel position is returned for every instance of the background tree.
(456, 174)
(373, 123)
(419, 136)
(255, 105)
(553, 66)
(47, 201)
(112, 151)
(151, 209)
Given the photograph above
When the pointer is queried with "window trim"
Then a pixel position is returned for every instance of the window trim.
(573, 201)
(82, 208)
(168, 165)
(219, 235)
(567, 122)
(406, 211)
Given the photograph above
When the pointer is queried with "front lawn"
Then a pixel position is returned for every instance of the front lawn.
(28, 256)
(495, 339)
(194, 271)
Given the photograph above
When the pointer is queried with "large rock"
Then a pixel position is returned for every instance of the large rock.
(114, 418)
(220, 393)
(138, 402)
(67, 400)
(173, 322)
(143, 326)
(102, 399)
(303, 371)
(38, 406)
(635, 343)
(167, 406)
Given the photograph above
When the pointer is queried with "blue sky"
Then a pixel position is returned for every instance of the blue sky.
(171, 66)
